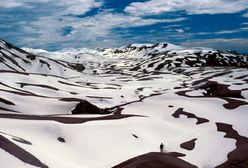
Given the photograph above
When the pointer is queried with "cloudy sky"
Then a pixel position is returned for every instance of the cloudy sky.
(57, 24)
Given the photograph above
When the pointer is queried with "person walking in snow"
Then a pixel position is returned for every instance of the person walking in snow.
(161, 147)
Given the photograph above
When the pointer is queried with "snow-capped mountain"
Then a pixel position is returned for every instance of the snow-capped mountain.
(19, 60)
(142, 105)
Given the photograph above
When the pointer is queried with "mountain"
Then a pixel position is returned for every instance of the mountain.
(148, 105)
(19, 60)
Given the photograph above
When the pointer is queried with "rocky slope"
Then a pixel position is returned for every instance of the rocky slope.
(101, 108)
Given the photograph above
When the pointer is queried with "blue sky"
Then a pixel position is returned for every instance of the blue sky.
(57, 24)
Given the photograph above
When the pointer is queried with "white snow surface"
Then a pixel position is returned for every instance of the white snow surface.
(118, 77)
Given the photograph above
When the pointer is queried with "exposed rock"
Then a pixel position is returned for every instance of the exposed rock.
(20, 153)
(61, 139)
(84, 107)
(155, 160)
(77, 66)
(238, 158)
(217, 89)
(46, 63)
(31, 56)
(189, 115)
(189, 145)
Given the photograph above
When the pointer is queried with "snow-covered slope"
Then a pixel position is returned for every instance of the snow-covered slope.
(18, 60)
(82, 108)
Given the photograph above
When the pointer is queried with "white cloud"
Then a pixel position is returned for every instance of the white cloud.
(245, 15)
(88, 29)
(154, 7)
(79, 6)
(227, 31)
(180, 30)
(59, 6)
(239, 44)
(245, 28)
(10, 3)
(49, 18)
(221, 32)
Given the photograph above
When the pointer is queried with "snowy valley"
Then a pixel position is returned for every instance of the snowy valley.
(85, 108)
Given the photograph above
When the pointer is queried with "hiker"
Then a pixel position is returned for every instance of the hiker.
(161, 147)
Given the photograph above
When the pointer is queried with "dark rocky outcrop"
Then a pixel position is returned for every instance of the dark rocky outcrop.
(46, 63)
(156, 160)
(60, 139)
(31, 56)
(189, 115)
(84, 107)
(221, 90)
(20, 153)
(189, 145)
(76, 66)
(238, 158)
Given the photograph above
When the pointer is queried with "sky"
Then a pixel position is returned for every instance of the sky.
(58, 24)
